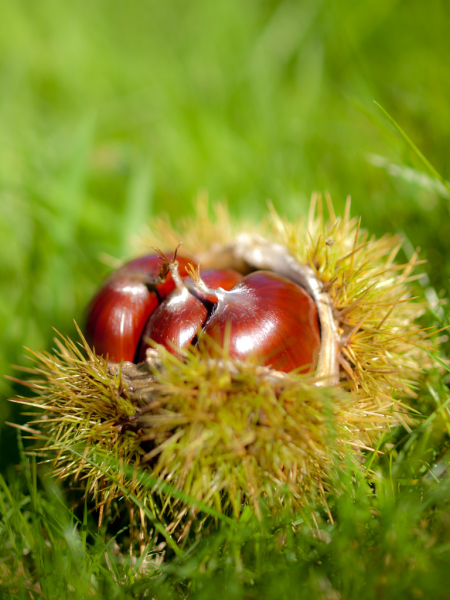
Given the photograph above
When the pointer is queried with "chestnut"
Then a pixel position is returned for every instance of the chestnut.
(269, 318)
(118, 313)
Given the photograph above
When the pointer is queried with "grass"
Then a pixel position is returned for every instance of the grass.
(390, 538)
(110, 113)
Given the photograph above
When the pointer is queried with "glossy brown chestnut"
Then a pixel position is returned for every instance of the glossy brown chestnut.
(178, 319)
(269, 318)
(118, 313)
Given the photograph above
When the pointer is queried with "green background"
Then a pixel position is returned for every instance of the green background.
(111, 112)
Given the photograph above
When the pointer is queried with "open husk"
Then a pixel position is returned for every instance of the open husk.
(214, 436)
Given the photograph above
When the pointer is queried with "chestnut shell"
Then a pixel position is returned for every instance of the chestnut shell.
(117, 314)
(269, 318)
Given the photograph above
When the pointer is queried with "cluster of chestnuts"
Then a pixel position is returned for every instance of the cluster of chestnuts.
(263, 315)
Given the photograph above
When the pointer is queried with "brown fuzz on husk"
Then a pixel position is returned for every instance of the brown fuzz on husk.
(225, 434)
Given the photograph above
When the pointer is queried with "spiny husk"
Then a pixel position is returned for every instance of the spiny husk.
(87, 410)
(221, 432)
(228, 434)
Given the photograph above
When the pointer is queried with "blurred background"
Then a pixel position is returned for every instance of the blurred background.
(112, 112)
